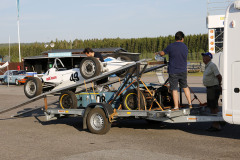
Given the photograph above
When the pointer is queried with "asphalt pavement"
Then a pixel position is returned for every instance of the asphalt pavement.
(31, 137)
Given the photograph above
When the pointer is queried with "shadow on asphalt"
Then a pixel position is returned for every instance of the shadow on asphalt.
(228, 131)
(75, 122)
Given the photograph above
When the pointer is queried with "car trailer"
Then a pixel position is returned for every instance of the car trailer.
(133, 98)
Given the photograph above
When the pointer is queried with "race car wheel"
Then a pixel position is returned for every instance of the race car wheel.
(2, 82)
(130, 100)
(33, 87)
(17, 82)
(90, 67)
(68, 100)
(124, 72)
(97, 121)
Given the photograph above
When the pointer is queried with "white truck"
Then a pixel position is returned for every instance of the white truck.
(231, 65)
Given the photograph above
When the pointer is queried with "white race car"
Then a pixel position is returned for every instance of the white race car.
(89, 68)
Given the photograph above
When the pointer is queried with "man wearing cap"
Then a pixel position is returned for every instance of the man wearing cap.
(212, 80)
(177, 68)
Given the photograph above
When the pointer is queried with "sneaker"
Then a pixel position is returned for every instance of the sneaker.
(175, 109)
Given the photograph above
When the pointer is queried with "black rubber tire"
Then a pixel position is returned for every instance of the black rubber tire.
(17, 82)
(33, 87)
(97, 121)
(130, 100)
(90, 67)
(124, 72)
(3, 83)
(68, 100)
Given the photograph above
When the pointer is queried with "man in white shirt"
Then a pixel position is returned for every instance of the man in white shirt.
(212, 80)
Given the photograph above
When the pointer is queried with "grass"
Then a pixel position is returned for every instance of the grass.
(196, 74)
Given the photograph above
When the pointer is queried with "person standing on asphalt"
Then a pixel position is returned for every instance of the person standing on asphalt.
(212, 81)
(177, 68)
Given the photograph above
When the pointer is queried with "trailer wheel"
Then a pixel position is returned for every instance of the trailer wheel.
(124, 72)
(97, 121)
(90, 67)
(33, 87)
(130, 100)
(68, 100)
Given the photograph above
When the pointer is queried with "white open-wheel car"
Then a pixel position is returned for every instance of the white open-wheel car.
(89, 67)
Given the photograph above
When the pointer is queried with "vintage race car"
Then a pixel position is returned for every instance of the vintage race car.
(57, 77)
(12, 76)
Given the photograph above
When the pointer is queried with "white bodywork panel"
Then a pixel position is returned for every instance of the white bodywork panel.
(231, 66)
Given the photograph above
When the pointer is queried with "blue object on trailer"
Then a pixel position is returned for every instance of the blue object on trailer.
(85, 98)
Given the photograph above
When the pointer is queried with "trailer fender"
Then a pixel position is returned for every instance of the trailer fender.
(107, 108)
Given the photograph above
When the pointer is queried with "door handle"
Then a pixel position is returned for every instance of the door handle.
(236, 90)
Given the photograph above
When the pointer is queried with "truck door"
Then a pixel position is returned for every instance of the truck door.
(235, 91)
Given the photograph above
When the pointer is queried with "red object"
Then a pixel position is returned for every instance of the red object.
(19, 68)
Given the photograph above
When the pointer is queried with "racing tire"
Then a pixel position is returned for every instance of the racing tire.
(17, 82)
(33, 87)
(90, 67)
(68, 100)
(97, 122)
(123, 73)
(130, 101)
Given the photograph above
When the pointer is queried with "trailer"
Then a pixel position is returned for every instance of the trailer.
(132, 99)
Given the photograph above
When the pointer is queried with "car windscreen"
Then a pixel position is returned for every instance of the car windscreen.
(15, 73)
(21, 72)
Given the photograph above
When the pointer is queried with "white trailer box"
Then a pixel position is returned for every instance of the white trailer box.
(231, 62)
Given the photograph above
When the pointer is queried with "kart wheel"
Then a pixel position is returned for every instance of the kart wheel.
(90, 67)
(130, 100)
(68, 100)
(17, 82)
(97, 121)
(124, 72)
(33, 87)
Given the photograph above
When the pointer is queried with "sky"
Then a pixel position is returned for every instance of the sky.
(46, 20)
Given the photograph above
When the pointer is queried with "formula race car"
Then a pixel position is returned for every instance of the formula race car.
(89, 68)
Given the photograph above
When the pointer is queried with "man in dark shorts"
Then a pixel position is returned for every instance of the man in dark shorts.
(177, 68)
(212, 81)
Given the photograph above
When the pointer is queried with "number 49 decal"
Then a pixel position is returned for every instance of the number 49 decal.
(74, 77)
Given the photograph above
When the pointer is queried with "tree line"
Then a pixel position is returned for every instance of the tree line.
(146, 46)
